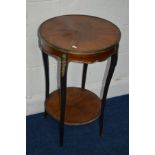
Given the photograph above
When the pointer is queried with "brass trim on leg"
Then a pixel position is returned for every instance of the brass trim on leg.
(63, 64)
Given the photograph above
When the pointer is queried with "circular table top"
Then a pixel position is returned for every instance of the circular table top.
(79, 34)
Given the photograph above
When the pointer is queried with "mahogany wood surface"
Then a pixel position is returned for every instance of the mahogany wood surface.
(83, 38)
(82, 106)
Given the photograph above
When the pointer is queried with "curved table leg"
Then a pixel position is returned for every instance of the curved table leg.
(106, 87)
(46, 70)
(85, 66)
(63, 83)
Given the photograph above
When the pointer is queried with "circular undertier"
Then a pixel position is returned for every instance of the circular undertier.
(82, 106)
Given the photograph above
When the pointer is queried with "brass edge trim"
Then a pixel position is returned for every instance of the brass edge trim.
(78, 52)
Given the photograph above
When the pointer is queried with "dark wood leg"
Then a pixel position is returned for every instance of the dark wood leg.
(106, 87)
(85, 66)
(46, 70)
(63, 83)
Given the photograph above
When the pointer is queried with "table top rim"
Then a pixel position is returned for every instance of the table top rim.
(68, 51)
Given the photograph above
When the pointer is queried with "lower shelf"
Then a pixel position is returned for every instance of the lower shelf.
(82, 106)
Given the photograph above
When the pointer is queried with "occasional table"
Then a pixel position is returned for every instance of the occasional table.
(84, 39)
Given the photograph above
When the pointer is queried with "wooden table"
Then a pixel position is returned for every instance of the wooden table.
(84, 39)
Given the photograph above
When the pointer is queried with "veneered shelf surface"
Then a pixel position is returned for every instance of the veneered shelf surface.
(82, 106)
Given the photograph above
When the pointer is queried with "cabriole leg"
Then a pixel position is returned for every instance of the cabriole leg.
(85, 66)
(46, 70)
(106, 87)
(63, 83)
